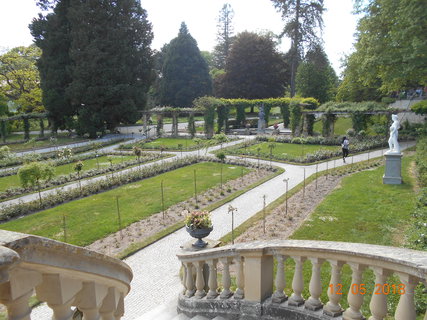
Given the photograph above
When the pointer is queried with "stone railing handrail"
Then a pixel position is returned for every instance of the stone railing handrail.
(255, 278)
(62, 275)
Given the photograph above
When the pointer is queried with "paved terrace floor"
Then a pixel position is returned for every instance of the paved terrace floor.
(156, 269)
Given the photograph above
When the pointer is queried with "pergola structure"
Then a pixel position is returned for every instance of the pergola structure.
(173, 112)
(25, 117)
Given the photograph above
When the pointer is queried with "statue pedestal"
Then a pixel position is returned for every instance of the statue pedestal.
(393, 168)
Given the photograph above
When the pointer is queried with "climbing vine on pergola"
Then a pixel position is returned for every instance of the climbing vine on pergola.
(25, 117)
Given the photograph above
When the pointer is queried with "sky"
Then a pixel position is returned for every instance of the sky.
(201, 17)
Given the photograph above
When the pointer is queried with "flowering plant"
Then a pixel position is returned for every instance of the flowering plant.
(198, 220)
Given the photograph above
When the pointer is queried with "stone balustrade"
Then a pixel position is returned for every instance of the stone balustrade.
(61, 275)
(253, 266)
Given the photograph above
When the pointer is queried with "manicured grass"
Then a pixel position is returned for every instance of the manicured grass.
(13, 181)
(95, 217)
(362, 210)
(169, 143)
(342, 124)
(61, 140)
(297, 150)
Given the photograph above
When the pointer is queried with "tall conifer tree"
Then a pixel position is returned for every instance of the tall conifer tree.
(106, 58)
(185, 73)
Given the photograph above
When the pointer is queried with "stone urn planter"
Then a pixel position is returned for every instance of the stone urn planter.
(199, 234)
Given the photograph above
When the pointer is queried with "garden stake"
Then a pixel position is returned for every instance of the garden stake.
(64, 225)
(286, 196)
(263, 213)
(97, 160)
(368, 156)
(334, 164)
(195, 187)
(303, 189)
(118, 215)
(232, 209)
(163, 201)
(327, 168)
(317, 167)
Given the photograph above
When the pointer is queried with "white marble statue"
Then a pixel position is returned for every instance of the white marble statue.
(394, 133)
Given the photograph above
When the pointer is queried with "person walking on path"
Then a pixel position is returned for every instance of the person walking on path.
(344, 144)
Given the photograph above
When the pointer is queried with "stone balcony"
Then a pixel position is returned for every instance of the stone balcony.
(254, 265)
(61, 275)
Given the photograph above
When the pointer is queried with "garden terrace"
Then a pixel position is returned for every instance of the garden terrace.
(61, 275)
(260, 286)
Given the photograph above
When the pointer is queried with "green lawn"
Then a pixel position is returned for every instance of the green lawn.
(364, 210)
(297, 150)
(95, 217)
(341, 126)
(61, 140)
(170, 143)
(13, 181)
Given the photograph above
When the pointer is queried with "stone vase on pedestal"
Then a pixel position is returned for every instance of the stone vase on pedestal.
(393, 168)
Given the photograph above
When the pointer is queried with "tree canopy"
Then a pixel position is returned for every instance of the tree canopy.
(254, 68)
(391, 47)
(20, 79)
(303, 21)
(185, 73)
(316, 77)
(101, 51)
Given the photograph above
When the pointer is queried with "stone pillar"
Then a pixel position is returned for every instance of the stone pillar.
(259, 285)
(393, 168)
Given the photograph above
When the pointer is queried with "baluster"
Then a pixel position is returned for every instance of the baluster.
(212, 282)
(190, 281)
(315, 286)
(333, 307)
(16, 292)
(378, 304)
(279, 296)
(59, 293)
(109, 305)
(296, 298)
(120, 310)
(200, 281)
(406, 307)
(226, 280)
(355, 298)
(90, 298)
(18, 308)
(240, 279)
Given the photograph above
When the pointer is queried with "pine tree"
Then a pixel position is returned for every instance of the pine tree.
(303, 19)
(224, 36)
(185, 73)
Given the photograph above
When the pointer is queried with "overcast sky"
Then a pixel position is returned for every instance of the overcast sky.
(201, 18)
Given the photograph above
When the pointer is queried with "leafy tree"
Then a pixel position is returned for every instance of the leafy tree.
(224, 36)
(185, 74)
(391, 48)
(254, 68)
(303, 18)
(315, 76)
(20, 79)
(107, 58)
(34, 173)
(352, 87)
